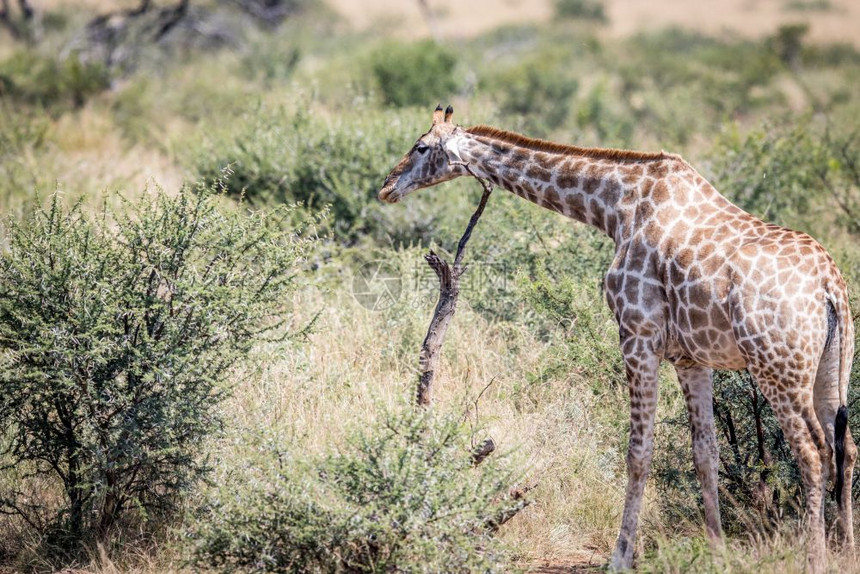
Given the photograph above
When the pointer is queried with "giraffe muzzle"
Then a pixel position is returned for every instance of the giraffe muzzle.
(393, 189)
(388, 194)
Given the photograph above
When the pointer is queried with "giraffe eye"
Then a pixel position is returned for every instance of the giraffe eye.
(421, 147)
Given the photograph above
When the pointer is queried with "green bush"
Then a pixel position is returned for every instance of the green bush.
(793, 173)
(23, 136)
(612, 124)
(589, 335)
(581, 9)
(808, 5)
(279, 157)
(538, 90)
(413, 74)
(770, 172)
(115, 333)
(830, 55)
(517, 243)
(532, 269)
(401, 496)
(759, 481)
(43, 81)
(787, 43)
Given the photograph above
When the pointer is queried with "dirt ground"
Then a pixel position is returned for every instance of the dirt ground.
(838, 22)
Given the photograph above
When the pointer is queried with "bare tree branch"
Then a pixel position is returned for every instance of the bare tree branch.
(482, 451)
(517, 494)
(26, 9)
(269, 12)
(449, 292)
(170, 17)
(21, 29)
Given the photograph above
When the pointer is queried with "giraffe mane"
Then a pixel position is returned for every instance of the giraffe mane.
(552, 147)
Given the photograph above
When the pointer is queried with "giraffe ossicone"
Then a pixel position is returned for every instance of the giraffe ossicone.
(695, 281)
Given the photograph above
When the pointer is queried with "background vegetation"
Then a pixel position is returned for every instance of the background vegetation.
(217, 441)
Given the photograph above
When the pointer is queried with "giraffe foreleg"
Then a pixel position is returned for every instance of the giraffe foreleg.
(697, 385)
(642, 383)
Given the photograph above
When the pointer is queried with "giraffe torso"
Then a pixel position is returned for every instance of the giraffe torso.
(707, 281)
(694, 277)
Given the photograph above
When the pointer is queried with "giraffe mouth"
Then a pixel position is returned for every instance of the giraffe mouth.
(395, 189)
(389, 195)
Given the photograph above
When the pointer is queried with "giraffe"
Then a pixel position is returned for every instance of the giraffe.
(695, 281)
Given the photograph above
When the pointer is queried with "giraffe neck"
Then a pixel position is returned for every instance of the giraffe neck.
(583, 184)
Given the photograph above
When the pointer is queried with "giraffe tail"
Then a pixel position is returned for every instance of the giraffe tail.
(839, 446)
(841, 329)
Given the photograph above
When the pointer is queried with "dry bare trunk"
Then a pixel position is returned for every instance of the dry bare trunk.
(23, 29)
(449, 291)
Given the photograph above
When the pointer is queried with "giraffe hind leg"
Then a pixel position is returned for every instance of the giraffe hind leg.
(799, 423)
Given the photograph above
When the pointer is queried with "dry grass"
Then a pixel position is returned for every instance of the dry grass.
(751, 19)
(358, 360)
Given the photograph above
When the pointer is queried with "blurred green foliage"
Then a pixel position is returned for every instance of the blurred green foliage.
(537, 93)
(676, 98)
(420, 73)
(43, 81)
(581, 9)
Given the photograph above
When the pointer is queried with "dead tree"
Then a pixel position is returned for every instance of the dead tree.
(116, 39)
(269, 13)
(23, 27)
(449, 291)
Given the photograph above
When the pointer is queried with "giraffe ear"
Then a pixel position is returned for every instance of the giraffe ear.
(449, 111)
(438, 115)
(452, 150)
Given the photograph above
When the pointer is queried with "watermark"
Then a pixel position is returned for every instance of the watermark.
(378, 285)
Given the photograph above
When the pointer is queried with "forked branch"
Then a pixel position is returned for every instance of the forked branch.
(449, 292)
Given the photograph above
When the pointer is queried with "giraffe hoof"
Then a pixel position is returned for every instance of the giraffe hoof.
(620, 563)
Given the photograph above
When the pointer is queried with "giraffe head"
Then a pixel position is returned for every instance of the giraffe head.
(428, 162)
